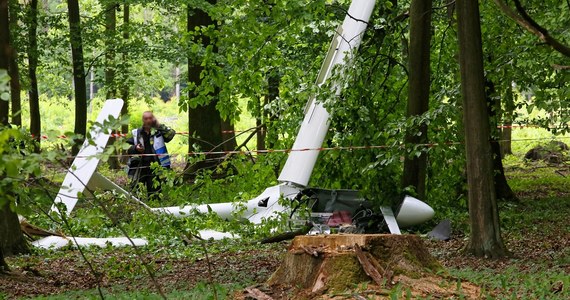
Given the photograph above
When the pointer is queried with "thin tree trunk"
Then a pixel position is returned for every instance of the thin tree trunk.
(4, 55)
(273, 82)
(110, 29)
(264, 117)
(485, 238)
(35, 117)
(262, 132)
(419, 88)
(110, 83)
(502, 188)
(125, 68)
(124, 74)
(177, 82)
(11, 238)
(506, 146)
(80, 87)
(228, 135)
(16, 101)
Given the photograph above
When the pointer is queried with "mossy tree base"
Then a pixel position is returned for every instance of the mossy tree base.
(316, 267)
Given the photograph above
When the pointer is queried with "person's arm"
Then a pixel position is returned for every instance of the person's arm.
(132, 148)
(167, 132)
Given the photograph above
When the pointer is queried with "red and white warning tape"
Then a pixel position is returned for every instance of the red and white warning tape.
(340, 148)
(122, 135)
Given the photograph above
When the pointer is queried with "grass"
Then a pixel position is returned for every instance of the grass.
(536, 230)
(201, 291)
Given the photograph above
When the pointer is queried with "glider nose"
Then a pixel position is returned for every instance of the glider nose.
(413, 212)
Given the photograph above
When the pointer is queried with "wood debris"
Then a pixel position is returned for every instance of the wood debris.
(368, 267)
(255, 293)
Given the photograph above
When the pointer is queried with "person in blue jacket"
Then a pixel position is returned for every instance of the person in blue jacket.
(148, 145)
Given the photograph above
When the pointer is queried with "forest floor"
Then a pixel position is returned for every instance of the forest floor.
(536, 231)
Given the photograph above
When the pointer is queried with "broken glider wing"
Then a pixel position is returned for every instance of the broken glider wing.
(56, 242)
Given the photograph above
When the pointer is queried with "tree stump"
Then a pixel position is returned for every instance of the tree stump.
(334, 264)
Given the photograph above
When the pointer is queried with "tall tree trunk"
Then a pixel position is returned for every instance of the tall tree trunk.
(419, 86)
(125, 81)
(485, 239)
(502, 188)
(35, 117)
(124, 73)
(4, 55)
(204, 121)
(110, 67)
(80, 87)
(110, 29)
(16, 101)
(11, 238)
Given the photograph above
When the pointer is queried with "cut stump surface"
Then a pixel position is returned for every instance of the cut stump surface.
(317, 266)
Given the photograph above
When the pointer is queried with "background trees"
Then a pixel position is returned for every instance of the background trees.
(245, 64)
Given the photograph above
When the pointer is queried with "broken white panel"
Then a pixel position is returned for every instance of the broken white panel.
(300, 164)
(104, 183)
(264, 206)
(390, 220)
(56, 242)
(87, 160)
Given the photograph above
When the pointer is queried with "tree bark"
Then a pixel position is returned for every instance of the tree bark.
(35, 117)
(80, 87)
(110, 67)
(418, 95)
(15, 97)
(485, 238)
(125, 68)
(110, 29)
(4, 55)
(124, 76)
(204, 121)
(11, 238)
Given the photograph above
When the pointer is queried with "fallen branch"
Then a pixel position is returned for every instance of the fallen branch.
(285, 236)
(32, 230)
(560, 67)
